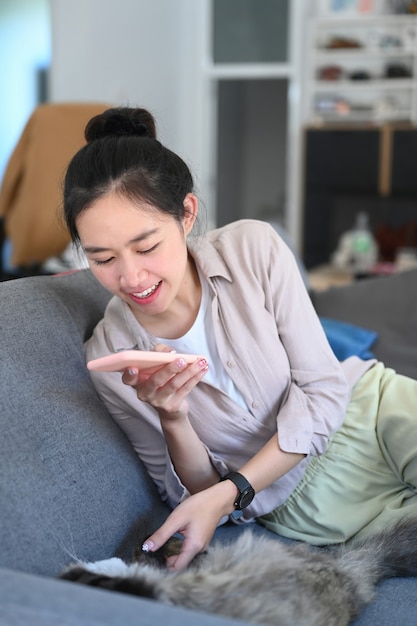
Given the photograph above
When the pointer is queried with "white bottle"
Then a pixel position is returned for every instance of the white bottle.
(364, 248)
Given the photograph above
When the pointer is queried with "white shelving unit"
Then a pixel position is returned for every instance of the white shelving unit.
(373, 47)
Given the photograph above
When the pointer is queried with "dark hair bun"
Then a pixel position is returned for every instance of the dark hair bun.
(121, 121)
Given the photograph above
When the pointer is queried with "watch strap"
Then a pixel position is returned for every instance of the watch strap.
(239, 480)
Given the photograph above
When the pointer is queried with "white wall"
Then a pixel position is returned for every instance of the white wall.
(152, 53)
(126, 53)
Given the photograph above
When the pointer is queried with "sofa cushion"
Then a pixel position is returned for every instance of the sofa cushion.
(347, 339)
(71, 485)
(28, 600)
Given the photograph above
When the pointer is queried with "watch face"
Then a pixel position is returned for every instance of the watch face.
(246, 498)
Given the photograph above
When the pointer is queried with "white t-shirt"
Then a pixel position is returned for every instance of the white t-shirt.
(200, 340)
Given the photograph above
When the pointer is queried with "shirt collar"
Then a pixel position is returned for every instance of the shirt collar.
(207, 257)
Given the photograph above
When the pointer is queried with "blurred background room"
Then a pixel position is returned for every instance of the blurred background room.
(299, 112)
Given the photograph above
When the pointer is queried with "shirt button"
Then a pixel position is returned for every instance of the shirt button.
(230, 364)
(255, 404)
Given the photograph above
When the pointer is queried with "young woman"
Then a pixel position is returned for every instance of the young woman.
(267, 424)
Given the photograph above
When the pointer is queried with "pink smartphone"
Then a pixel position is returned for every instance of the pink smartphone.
(145, 361)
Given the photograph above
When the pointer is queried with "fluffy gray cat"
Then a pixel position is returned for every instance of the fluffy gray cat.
(263, 580)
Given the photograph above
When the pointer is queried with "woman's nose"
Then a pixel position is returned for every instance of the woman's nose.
(132, 275)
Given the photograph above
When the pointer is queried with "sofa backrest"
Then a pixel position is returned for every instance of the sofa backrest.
(70, 484)
(387, 305)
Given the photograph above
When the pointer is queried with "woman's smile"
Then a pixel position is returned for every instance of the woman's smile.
(147, 295)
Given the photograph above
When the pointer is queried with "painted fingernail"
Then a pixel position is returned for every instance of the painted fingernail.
(202, 363)
(132, 371)
(181, 362)
(148, 546)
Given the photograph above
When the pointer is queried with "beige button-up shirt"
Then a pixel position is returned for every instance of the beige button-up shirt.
(271, 343)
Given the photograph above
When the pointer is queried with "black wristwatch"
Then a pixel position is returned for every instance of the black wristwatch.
(246, 492)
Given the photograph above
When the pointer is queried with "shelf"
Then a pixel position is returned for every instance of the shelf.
(387, 19)
(358, 116)
(379, 47)
(359, 85)
(327, 54)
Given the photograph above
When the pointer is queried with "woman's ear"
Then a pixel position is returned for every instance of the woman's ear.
(190, 212)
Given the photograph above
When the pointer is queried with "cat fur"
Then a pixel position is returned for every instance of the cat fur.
(266, 581)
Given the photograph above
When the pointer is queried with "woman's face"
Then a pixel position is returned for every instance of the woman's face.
(138, 252)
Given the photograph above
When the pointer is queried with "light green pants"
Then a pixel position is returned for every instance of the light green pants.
(367, 477)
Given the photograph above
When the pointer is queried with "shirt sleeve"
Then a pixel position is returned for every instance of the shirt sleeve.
(141, 425)
(318, 391)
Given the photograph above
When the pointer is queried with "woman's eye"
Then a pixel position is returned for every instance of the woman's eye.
(102, 261)
(148, 250)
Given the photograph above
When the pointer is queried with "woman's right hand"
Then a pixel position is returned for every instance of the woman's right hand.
(167, 388)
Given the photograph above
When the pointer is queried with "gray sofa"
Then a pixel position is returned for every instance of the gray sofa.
(71, 486)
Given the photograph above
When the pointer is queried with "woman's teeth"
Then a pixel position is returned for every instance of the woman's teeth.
(147, 292)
